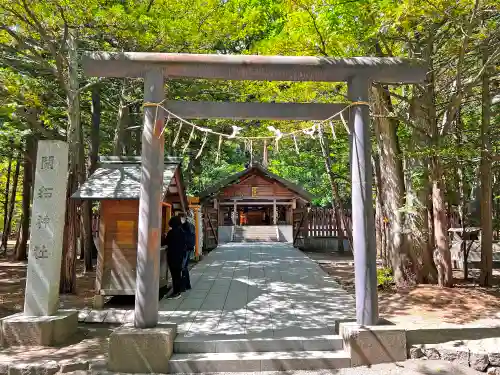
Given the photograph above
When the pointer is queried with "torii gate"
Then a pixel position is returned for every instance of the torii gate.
(359, 73)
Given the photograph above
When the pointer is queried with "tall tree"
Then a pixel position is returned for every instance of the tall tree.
(486, 275)
(21, 252)
(6, 196)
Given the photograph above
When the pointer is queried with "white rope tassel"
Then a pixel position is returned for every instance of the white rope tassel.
(345, 123)
(251, 152)
(217, 157)
(333, 130)
(164, 126)
(176, 139)
(296, 145)
(310, 131)
(202, 145)
(188, 141)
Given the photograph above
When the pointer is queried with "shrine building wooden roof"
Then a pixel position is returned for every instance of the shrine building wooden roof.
(255, 169)
(120, 178)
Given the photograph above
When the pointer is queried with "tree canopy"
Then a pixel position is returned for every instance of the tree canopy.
(429, 140)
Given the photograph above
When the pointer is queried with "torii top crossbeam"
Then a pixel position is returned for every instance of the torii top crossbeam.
(254, 67)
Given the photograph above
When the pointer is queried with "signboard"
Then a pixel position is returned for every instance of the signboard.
(254, 191)
(125, 233)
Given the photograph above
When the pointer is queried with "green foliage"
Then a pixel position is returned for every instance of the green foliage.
(385, 278)
(33, 97)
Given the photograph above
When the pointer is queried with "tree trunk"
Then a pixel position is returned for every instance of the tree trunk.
(461, 196)
(18, 235)
(380, 227)
(424, 110)
(89, 248)
(425, 217)
(486, 275)
(442, 255)
(335, 192)
(13, 197)
(68, 268)
(28, 168)
(417, 197)
(5, 235)
(122, 121)
(392, 184)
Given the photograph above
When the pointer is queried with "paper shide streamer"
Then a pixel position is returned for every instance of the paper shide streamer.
(248, 140)
(310, 132)
(236, 130)
(277, 136)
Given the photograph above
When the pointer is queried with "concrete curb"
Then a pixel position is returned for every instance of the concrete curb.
(481, 355)
(50, 367)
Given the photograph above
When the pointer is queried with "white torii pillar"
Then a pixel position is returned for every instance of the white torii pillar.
(148, 247)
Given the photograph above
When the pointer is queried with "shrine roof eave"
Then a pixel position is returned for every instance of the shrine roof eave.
(120, 178)
(212, 191)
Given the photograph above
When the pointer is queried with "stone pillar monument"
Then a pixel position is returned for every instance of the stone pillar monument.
(41, 323)
(47, 229)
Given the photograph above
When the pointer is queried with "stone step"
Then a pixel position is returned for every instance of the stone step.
(253, 361)
(204, 344)
(255, 234)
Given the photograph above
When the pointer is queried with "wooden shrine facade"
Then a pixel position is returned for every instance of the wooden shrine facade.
(252, 197)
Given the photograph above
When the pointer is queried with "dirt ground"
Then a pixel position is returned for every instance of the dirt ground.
(13, 280)
(426, 304)
(89, 343)
(465, 303)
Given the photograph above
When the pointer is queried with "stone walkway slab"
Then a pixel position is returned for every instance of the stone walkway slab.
(259, 290)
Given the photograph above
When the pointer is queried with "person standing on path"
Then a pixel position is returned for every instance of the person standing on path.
(176, 250)
(190, 234)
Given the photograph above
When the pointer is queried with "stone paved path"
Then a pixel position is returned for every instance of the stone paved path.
(258, 289)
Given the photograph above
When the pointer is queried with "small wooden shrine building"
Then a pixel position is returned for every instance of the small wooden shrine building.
(252, 197)
(116, 184)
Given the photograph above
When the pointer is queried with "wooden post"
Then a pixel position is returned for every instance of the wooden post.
(197, 221)
(235, 213)
(148, 247)
(362, 206)
(306, 222)
(275, 213)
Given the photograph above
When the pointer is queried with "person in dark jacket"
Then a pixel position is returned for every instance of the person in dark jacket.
(190, 234)
(176, 243)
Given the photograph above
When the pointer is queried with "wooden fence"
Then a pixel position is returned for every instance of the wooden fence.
(320, 223)
(210, 228)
